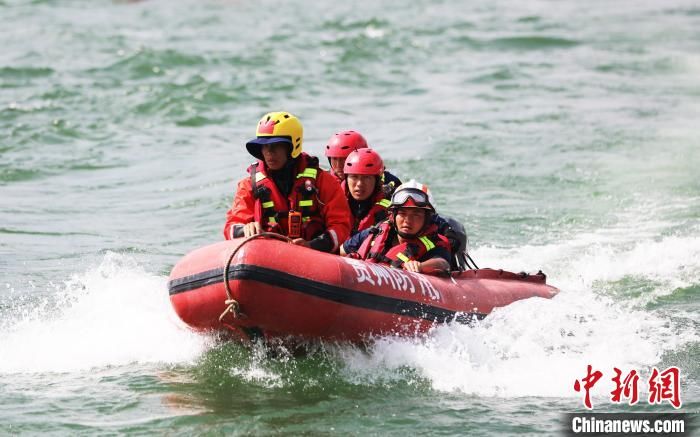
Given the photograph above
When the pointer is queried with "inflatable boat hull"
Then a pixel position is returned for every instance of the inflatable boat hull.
(282, 290)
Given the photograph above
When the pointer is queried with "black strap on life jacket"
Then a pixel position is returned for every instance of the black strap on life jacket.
(380, 256)
(257, 191)
(309, 191)
(262, 194)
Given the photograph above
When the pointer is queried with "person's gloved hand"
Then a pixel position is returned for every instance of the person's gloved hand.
(250, 229)
(322, 243)
(412, 266)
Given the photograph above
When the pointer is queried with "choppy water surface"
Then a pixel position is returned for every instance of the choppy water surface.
(563, 134)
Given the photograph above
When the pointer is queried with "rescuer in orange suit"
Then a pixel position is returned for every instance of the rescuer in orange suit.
(342, 144)
(408, 239)
(367, 196)
(286, 192)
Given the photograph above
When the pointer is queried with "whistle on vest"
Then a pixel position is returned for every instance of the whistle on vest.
(309, 187)
(294, 224)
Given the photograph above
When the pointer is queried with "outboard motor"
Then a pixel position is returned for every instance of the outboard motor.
(458, 240)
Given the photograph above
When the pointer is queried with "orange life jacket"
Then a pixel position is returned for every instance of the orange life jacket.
(375, 248)
(377, 214)
(272, 208)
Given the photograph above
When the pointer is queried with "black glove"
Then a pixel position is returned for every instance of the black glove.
(238, 231)
(322, 243)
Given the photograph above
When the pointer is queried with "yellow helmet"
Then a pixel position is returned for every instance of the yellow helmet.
(277, 127)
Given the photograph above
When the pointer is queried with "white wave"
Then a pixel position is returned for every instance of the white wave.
(114, 314)
(257, 370)
(534, 347)
(634, 248)
(539, 347)
(257, 374)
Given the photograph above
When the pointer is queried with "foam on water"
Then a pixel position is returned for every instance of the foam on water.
(531, 348)
(539, 347)
(114, 314)
(636, 247)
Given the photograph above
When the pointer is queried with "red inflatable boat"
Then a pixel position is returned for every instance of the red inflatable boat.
(279, 290)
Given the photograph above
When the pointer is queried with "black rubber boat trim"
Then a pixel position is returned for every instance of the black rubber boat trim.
(321, 290)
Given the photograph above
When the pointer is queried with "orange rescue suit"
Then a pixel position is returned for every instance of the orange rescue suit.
(315, 194)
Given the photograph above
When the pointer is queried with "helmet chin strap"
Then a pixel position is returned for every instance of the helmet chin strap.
(406, 236)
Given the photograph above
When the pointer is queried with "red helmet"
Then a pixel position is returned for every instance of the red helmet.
(364, 162)
(341, 144)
